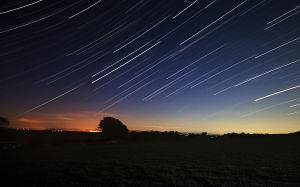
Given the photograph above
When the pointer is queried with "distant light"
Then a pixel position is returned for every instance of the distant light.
(94, 131)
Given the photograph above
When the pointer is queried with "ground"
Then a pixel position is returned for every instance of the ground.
(78, 159)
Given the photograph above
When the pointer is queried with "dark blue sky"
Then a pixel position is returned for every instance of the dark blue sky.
(164, 65)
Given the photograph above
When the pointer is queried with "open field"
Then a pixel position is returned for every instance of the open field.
(87, 159)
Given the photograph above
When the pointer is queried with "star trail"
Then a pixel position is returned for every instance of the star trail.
(153, 63)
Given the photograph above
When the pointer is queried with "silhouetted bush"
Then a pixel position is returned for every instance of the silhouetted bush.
(113, 128)
(4, 122)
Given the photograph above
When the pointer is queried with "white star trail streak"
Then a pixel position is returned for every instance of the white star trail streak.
(96, 40)
(49, 101)
(197, 33)
(24, 25)
(70, 67)
(265, 73)
(134, 6)
(125, 63)
(276, 23)
(126, 96)
(293, 113)
(250, 9)
(82, 11)
(295, 105)
(77, 69)
(208, 33)
(282, 45)
(225, 80)
(140, 35)
(267, 108)
(11, 10)
(121, 59)
(163, 88)
(243, 72)
(107, 101)
(188, 84)
(196, 61)
(210, 4)
(179, 26)
(283, 15)
(119, 75)
(223, 90)
(185, 9)
(220, 72)
(161, 60)
(276, 93)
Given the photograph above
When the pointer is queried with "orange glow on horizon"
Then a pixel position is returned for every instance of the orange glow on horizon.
(86, 121)
(31, 121)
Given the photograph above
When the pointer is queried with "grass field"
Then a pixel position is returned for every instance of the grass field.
(86, 159)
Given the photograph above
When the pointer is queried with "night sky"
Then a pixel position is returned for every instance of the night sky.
(186, 65)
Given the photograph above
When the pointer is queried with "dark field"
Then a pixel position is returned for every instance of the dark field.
(87, 159)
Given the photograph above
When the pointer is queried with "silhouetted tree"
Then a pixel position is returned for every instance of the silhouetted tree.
(112, 127)
(204, 134)
(4, 122)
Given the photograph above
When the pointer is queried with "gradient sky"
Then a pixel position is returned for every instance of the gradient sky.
(187, 65)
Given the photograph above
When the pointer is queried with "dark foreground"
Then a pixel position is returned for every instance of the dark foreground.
(87, 159)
